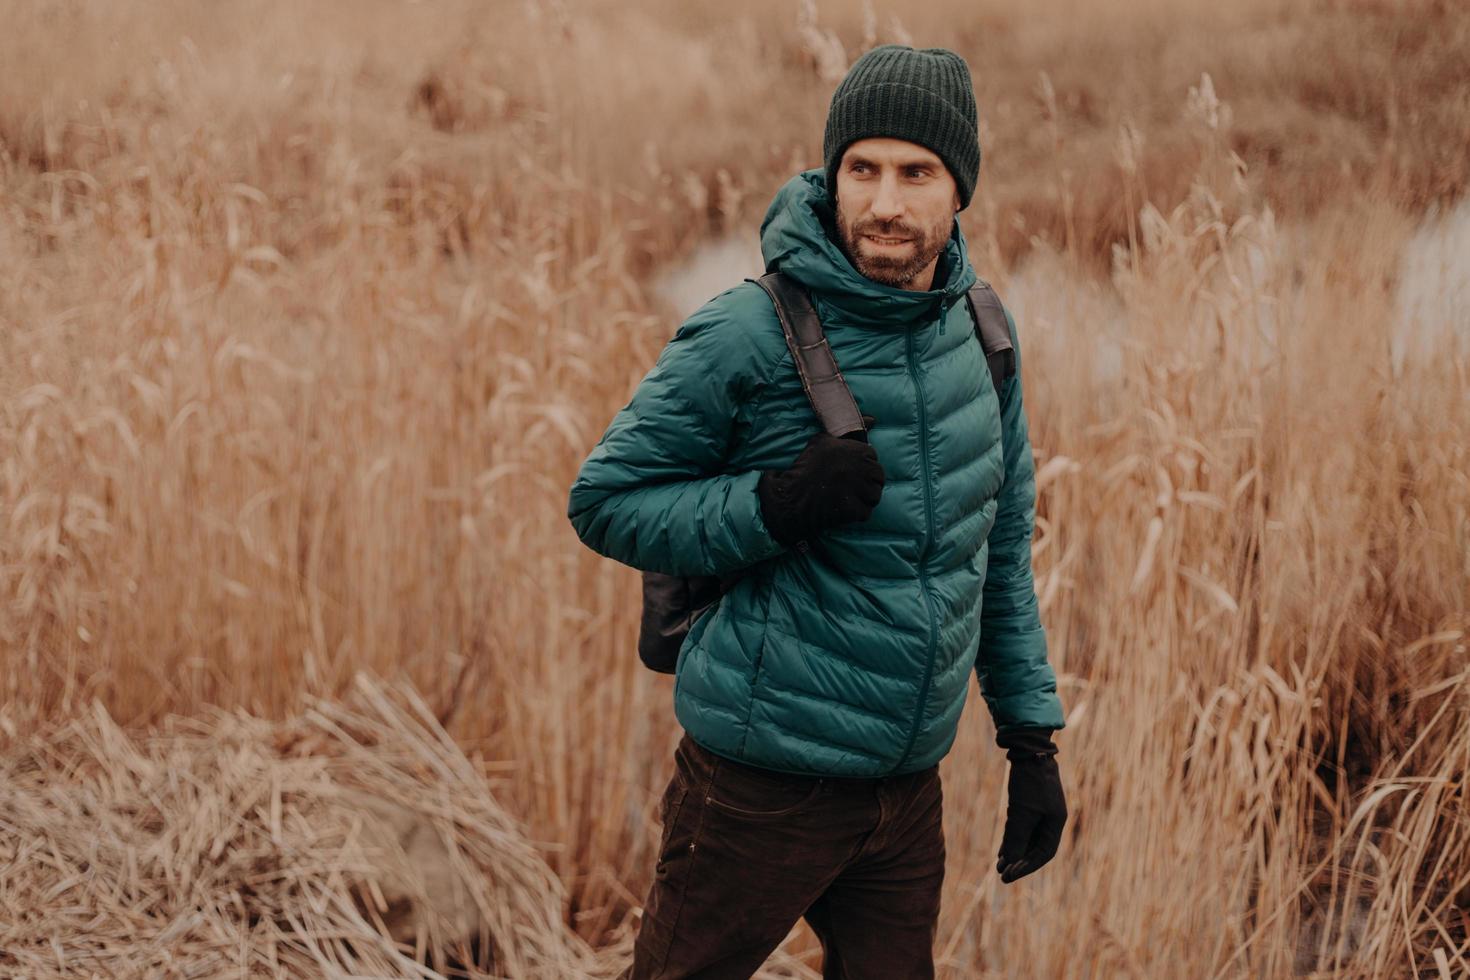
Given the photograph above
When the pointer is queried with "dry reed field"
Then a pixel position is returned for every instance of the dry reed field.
(310, 312)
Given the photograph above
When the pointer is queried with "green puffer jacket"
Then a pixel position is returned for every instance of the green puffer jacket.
(852, 659)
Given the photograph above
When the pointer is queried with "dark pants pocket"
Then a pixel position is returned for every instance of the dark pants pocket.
(743, 791)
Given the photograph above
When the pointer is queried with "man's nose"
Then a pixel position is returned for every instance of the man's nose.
(888, 201)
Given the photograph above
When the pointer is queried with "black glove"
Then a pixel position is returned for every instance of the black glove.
(1036, 807)
(834, 481)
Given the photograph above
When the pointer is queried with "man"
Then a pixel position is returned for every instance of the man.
(819, 694)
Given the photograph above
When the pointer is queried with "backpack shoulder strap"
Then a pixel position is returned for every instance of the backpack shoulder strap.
(824, 384)
(993, 331)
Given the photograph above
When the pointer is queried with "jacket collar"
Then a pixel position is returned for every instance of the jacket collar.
(798, 237)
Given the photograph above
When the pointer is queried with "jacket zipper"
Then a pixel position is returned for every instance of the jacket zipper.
(923, 554)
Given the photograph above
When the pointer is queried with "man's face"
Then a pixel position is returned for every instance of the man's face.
(903, 194)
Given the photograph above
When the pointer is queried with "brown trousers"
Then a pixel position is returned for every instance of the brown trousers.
(745, 852)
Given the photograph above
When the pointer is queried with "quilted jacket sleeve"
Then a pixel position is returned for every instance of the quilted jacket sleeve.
(1016, 679)
(653, 493)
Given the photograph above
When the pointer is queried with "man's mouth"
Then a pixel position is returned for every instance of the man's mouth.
(886, 241)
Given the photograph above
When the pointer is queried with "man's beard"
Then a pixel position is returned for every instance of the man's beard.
(897, 266)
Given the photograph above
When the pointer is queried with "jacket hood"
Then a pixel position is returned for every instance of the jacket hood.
(798, 237)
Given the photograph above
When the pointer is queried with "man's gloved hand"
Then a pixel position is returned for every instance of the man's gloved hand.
(1036, 807)
(834, 481)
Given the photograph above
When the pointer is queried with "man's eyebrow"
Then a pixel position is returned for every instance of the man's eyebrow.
(902, 165)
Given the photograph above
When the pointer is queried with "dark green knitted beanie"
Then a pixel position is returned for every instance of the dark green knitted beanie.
(922, 96)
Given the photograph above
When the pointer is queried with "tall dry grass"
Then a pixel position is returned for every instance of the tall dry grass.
(309, 313)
